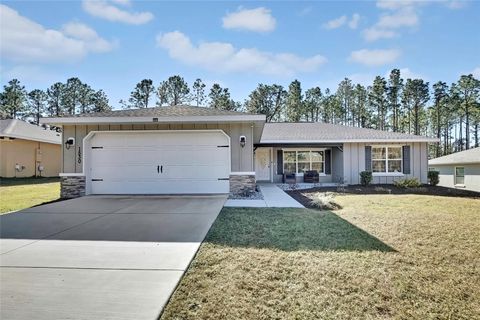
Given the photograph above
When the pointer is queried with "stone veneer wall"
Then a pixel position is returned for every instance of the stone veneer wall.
(242, 183)
(72, 187)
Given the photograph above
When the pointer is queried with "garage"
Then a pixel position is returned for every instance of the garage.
(157, 162)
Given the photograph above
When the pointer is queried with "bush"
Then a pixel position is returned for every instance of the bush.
(366, 177)
(408, 183)
(433, 177)
(324, 201)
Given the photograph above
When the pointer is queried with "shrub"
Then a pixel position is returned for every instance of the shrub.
(324, 201)
(408, 183)
(366, 177)
(433, 177)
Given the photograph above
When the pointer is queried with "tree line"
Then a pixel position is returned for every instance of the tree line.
(69, 98)
(448, 112)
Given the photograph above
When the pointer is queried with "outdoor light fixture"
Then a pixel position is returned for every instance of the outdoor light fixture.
(70, 142)
(243, 141)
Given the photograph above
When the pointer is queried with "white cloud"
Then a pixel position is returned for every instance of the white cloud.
(396, 4)
(375, 57)
(335, 23)
(406, 73)
(27, 41)
(403, 18)
(343, 20)
(258, 20)
(401, 14)
(305, 11)
(224, 57)
(92, 40)
(107, 10)
(476, 72)
(374, 33)
(456, 4)
(353, 23)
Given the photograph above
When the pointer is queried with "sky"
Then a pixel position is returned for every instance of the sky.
(113, 44)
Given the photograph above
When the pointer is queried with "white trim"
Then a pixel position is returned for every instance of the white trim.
(388, 174)
(242, 173)
(386, 160)
(386, 140)
(459, 185)
(170, 119)
(62, 174)
(297, 150)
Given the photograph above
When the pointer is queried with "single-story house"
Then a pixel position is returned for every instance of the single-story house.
(188, 150)
(28, 150)
(458, 170)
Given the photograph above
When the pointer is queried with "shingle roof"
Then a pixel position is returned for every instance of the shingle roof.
(306, 132)
(467, 156)
(21, 130)
(173, 111)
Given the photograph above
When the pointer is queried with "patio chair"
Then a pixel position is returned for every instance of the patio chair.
(289, 178)
(311, 176)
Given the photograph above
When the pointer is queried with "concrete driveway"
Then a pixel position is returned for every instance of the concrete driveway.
(99, 257)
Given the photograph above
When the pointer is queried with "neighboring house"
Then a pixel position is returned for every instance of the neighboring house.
(28, 150)
(191, 150)
(459, 170)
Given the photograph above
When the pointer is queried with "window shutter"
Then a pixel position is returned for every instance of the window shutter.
(328, 161)
(406, 159)
(279, 161)
(368, 158)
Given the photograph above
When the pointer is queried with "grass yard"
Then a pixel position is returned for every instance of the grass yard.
(21, 193)
(380, 257)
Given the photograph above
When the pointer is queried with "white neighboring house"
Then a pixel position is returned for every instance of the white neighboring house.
(459, 170)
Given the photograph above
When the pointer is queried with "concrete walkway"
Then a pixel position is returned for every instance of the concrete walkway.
(273, 197)
(99, 257)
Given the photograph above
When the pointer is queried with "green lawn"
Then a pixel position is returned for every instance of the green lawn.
(21, 193)
(380, 257)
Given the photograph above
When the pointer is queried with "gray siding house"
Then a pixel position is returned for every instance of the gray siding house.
(459, 170)
(192, 150)
(339, 153)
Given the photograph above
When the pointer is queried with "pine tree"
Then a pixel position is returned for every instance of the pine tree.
(13, 99)
(378, 101)
(174, 91)
(37, 102)
(294, 103)
(198, 92)
(140, 96)
(395, 85)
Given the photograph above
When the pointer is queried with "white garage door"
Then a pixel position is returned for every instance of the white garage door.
(162, 162)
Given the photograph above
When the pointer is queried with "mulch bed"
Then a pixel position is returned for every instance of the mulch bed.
(301, 195)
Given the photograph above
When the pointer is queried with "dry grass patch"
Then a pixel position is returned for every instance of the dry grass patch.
(380, 257)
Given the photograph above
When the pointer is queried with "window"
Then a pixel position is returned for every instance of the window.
(299, 161)
(459, 175)
(387, 159)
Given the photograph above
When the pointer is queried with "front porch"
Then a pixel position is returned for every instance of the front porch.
(278, 164)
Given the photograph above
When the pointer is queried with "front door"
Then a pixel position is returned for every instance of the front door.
(262, 164)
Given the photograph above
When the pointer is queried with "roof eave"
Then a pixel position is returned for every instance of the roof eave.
(15, 136)
(450, 163)
(430, 140)
(172, 119)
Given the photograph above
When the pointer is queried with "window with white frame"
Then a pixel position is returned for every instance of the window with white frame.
(386, 159)
(459, 175)
(299, 161)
